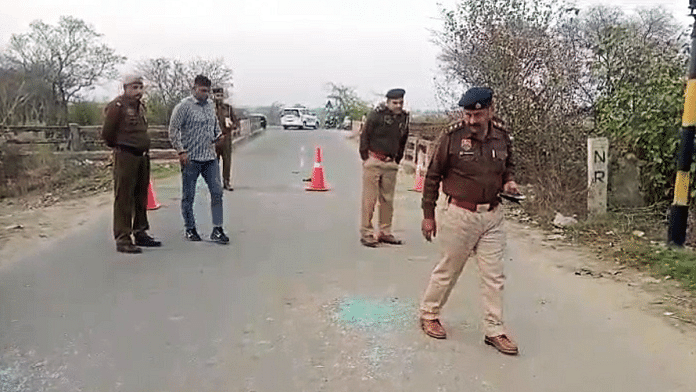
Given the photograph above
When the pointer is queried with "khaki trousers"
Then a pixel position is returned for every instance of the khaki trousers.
(463, 233)
(225, 151)
(379, 181)
(131, 179)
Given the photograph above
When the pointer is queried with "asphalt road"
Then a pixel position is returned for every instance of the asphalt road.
(294, 303)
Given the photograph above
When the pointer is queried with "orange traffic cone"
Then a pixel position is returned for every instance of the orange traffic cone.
(152, 203)
(418, 187)
(318, 183)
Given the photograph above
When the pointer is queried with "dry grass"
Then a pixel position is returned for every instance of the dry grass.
(26, 175)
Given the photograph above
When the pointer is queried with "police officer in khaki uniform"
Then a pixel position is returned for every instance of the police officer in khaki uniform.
(474, 164)
(382, 143)
(125, 130)
(228, 123)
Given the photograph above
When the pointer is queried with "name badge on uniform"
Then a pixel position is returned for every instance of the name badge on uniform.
(466, 144)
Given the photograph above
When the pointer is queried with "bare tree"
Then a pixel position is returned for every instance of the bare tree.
(70, 56)
(520, 49)
(170, 80)
(24, 98)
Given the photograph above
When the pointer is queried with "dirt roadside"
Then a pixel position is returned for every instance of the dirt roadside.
(31, 223)
(34, 221)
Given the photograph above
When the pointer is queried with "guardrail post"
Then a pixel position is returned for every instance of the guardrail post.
(74, 139)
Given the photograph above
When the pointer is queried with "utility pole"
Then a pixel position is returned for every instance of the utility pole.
(680, 206)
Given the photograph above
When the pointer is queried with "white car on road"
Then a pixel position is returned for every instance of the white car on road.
(298, 117)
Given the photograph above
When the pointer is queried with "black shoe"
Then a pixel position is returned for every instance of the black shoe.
(192, 235)
(219, 236)
(227, 187)
(128, 248)
(142, 239)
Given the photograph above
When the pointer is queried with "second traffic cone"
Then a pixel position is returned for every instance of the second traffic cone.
(418, 187)
(152, 203)
(318, 183)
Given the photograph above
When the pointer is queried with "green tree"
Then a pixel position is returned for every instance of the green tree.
(344, 102)
(70, 56)
(639, 66)
(85, 113)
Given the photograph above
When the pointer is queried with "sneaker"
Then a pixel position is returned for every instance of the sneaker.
(219, 236)
(142, 239)
(192, 235)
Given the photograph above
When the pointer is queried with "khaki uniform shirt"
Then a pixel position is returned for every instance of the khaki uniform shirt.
(469, 169)
(125, 124)
(226, 118)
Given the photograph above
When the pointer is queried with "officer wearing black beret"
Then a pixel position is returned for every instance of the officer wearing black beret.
(396, 93)
(473, 162)
(382, 144)
(476, 98)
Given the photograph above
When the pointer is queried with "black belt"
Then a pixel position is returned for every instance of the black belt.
(131, 150)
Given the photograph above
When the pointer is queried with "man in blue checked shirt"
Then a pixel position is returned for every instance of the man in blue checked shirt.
(193, 131)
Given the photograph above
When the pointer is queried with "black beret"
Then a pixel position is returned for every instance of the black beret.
(476, 98)
(396, 93)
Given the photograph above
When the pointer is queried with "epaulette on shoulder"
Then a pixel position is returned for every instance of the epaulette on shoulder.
(381, 108)
(499, 124)
(454, 126)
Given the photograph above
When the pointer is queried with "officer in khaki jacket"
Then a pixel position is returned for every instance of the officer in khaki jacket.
(382, 143)
(228, 123)
(474, 164)
(125, 130)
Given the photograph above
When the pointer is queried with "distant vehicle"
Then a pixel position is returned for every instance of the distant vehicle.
(347, 123)
(260, 118)
(298, 117)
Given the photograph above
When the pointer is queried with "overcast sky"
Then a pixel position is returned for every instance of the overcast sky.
(279, 50)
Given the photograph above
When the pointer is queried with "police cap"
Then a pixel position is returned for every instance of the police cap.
(396, 93)
(218, 90)
(477, 98)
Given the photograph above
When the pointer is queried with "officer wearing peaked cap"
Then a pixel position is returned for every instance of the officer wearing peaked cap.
(228, 123)
(382, 143)
(473, 162)
(125, 130)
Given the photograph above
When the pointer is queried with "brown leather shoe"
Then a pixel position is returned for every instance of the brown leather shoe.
(502, 343)
(370, 242)
(433, 328)
(389, 239)
(128, 248)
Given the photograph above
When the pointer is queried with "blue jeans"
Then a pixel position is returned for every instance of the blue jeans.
(189, 176)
